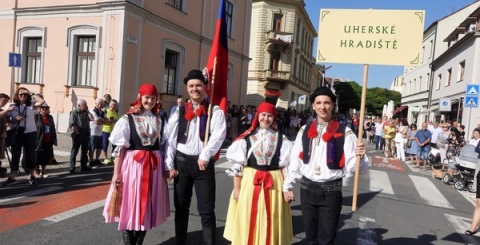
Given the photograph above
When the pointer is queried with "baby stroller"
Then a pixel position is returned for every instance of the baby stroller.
(434, 159)
(465, 163)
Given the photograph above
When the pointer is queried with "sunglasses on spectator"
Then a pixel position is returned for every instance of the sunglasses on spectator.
(23, 94)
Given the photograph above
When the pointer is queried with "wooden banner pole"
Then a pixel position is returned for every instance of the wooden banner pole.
(360, 136)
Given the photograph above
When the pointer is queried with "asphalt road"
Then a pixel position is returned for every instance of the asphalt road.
(397, 204)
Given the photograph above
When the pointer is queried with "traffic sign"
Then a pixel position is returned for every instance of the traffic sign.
(471, 102)
(14, 60)
(445, 104)
(472, 89)
(302, 99)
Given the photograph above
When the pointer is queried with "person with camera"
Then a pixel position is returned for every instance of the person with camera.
(79, 129)
(23, 132)
(3, 129)
(46, 138)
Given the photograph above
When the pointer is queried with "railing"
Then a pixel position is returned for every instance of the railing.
(285, 37)
(276, 74)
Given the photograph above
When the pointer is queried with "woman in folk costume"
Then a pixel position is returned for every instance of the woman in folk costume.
(139, 171)
(258, 213)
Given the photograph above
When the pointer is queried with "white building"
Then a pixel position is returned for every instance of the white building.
(417, 81)
(457, 67)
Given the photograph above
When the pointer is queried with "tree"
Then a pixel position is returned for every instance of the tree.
(350, 94)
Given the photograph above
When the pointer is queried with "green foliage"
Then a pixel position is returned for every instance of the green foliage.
(351, 94)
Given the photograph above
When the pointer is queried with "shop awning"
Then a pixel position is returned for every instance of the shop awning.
(399, 109)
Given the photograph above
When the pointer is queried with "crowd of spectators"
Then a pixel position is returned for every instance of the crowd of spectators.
(28, 129)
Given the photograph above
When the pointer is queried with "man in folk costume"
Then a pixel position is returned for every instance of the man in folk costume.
(323, 154)
(193, 159)
(258, 213)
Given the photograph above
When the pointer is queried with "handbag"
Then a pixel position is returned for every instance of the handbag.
(409, 143)
(115, 202)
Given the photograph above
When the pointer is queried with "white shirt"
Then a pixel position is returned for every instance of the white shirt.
(120, 135)
(474, 142)
(95, 129)
(29, 117)
(378, 128)
(194, 146)
(237, 152)
(435, 133)
(318, 157)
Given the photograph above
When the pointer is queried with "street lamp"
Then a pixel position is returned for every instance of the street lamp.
(323, 74)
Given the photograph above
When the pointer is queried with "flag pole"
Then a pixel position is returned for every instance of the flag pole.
(360, 136)
(207, 130)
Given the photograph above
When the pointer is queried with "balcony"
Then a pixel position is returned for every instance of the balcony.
(275, 79)
(279, 38)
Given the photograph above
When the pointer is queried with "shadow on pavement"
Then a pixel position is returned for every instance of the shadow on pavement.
(196, 238)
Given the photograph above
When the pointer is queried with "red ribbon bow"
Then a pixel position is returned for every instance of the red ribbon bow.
(261, 180)
(150, 162)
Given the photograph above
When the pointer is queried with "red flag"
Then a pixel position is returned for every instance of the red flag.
(220, 52)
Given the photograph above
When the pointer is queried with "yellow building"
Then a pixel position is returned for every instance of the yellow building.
(282, 68)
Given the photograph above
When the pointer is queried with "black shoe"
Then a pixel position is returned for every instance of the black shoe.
(85, 169)
(9, 181)
(32, 180)
(72, 171)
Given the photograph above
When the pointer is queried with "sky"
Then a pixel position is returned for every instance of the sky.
(379, 75)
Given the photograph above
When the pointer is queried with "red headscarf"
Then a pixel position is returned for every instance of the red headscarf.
(145, 89)
(263, 107)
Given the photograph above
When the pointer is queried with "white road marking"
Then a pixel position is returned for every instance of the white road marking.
(471, 197)
(461, 224)
(429, 192)
(61, 153)
(76, 211)
(366, 235)
(30, 193)
(379, 181)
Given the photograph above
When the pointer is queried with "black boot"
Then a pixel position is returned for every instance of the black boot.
(209, 235)
(139, 236)
(181, 232)
(128, 237)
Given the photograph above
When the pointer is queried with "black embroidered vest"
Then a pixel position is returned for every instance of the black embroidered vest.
(274, 162)
(136, 142)
(340, 141)
(183, 124)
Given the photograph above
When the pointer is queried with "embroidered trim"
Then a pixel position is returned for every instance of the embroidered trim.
(147, 139)
(264, 158)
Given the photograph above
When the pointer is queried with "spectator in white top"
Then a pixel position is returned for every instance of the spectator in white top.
(96, 126)
(436, 131)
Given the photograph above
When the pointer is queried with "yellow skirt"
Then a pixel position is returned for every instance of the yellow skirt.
(238, 217)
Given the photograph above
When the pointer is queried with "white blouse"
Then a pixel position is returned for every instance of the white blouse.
(237, 152)
(120, 135)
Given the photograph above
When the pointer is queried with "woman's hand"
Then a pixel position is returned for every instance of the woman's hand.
(288, 196)
(172, 174)
(236, 193)
(116, 180)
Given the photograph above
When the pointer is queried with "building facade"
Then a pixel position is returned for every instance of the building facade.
(456, 68)
(83, 49)
(282, 68)
(418, 80)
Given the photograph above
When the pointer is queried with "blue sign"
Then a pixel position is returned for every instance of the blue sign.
(471, 102)
(472, 90)
(14, 60)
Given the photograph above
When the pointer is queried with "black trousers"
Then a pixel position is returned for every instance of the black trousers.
(321, 205)
(189, 176)
(79, 141)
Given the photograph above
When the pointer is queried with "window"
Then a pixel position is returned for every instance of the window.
(229, 18)
(439, 82)
(277, 22)
(274, 61)
(175, 3)
(34, 60)
(462, 70)
(414, 85)
(449, 80)
(420, 84)
(85, 60)
(170, 74)
(428, 81)
(298, 30)
(423, 54)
